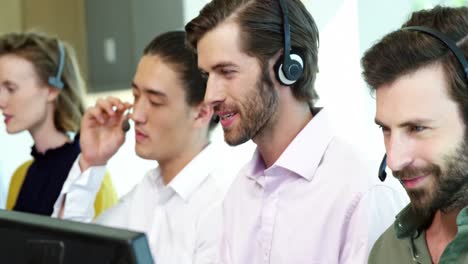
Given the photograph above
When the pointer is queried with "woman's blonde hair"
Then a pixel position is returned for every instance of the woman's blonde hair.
(44, 54)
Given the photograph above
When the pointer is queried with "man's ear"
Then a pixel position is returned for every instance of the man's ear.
(204, 113)
(52, 94)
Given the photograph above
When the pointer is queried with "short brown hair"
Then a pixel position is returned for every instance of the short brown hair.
(403, 52)
(43, 52)
(261, 25)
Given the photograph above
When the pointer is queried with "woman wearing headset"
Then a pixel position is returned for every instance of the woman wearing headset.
(41, 92)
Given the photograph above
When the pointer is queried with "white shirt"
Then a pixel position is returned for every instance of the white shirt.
(320, 202)
(182, 220)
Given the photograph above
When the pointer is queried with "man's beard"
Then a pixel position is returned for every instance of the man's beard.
(448, 190)
(256, 111)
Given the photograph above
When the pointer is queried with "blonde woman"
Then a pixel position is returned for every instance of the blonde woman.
(41, 92)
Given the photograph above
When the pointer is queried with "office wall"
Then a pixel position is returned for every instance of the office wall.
(63, 18)
(153, 17)
(118, 36)
(111, 43)
(10, 14)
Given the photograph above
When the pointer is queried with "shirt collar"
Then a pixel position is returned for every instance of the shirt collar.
(407, 224)
(462, 218)
(304, 153)
(195, 172)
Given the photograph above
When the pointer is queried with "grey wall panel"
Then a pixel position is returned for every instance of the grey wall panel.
(117, 32)
(153, 17)
(109, 39)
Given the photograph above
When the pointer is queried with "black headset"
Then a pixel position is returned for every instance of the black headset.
(458, 55)
(56, 80)
(289, 67)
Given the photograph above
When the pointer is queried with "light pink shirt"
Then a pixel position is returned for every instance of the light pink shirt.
(319, 203)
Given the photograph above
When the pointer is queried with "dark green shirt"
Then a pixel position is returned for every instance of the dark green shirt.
(402, 243)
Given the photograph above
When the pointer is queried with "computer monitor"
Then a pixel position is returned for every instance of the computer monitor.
(34, 239)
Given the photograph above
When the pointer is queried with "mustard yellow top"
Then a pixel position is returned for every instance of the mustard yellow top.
(105, 198)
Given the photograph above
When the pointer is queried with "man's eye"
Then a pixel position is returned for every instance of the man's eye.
(384, 129)
(224, 71)
(10, 88)
(416, 129)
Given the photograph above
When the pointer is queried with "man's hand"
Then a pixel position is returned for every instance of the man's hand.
(101, 132)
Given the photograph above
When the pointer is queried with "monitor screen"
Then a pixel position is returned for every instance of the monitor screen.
(34, 239)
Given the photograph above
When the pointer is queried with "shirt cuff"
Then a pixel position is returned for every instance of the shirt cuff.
(80, 191)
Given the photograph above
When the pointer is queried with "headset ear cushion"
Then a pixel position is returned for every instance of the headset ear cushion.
(296, 67)
(279, 72)
(296, 61)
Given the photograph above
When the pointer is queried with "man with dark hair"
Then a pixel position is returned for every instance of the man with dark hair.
(305, 197)
(420, 82)
(177, 204)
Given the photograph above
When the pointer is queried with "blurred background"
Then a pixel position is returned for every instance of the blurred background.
(109, 36)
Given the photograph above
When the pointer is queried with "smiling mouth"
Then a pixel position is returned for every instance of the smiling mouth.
(139, 133)
(414, 181)
(226, 116)
(227, 119)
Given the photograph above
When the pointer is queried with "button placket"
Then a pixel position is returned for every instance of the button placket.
(269, 212)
